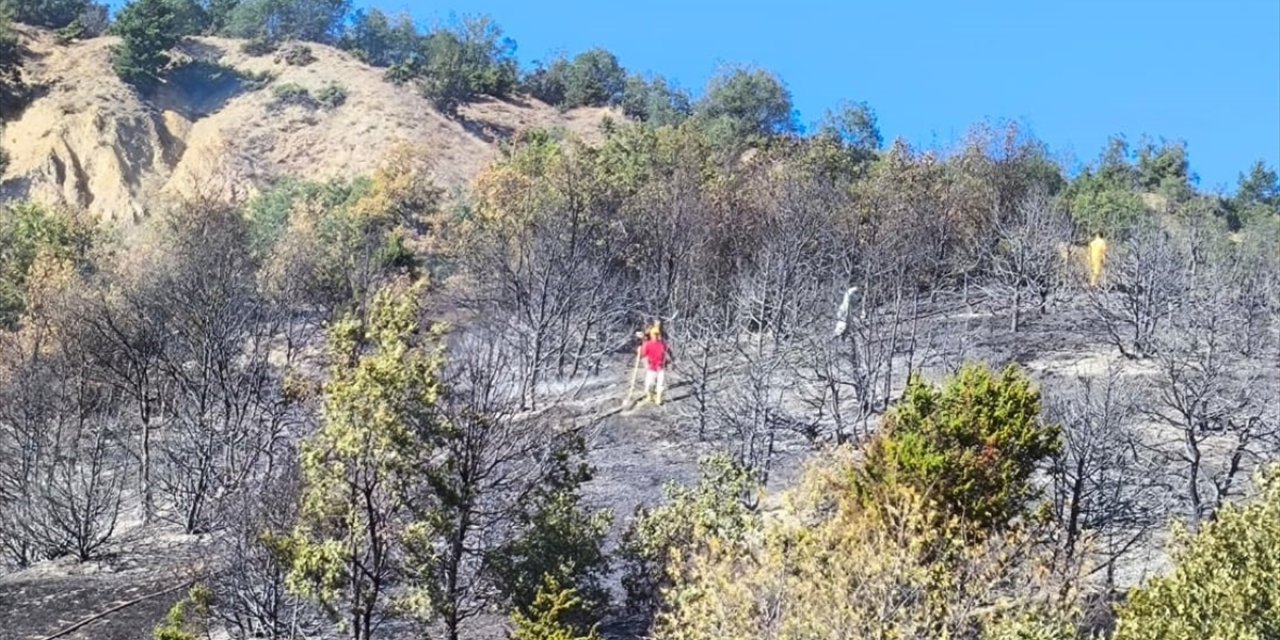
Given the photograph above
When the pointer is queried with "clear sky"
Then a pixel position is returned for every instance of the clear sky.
(1204, 71)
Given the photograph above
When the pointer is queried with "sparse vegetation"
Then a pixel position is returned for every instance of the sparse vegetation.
(267, 385)
(332, 96)
(294, 94)
(296, 55)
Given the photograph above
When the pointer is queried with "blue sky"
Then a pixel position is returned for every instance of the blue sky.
(1206, 72)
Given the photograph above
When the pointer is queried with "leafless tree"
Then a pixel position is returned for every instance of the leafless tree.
(1145, 280)
(1023, 257)
(252, 599)
(61, 471)
(223, 412)
(1106, 484)
(1214, 400)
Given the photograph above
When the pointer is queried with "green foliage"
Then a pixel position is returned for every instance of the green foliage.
(562, 543)
(1257, 196)
(27, 232)
(1100, 206)
(546, 82)
(292, 93)
(332, 96)
(377, 40)
(279, 20)
(259, 46)
(655, 102)
(548, 616)
(360, 469)
(467, 61)
(594, 78)
(1165, 171)
(53, 14)
(70, 33)
(14, 93)
(218, 14)
(188, 619)
(973, 445)
(148, 30)
(834, 561)
(1225, 583)
(854, 126)
(719, 508)
(297, 55)
(747, 104)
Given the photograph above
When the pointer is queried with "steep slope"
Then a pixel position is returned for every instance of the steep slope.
(89, 141)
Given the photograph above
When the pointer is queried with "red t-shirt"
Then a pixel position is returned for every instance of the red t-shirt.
(656, 353)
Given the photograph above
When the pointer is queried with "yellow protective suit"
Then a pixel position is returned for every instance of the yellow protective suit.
(1097, 257)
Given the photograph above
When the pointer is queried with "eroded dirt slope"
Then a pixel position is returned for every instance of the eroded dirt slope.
(88, 140)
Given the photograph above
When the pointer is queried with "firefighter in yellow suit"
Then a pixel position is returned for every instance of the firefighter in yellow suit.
(1097, 257)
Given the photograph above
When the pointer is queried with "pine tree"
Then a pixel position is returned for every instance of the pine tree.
(359, 503)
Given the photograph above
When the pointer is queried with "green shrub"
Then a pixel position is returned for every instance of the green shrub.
(188, 619)
(292, 93)
(332, 96)
(718, 507)
(28, 231)
(1225, 584)
(70, 33)
(972, 445)
(549, 618)
(254, 80)
(400, 73)
(52, 14)
(14, 92)
(296, 55)
(258, 46)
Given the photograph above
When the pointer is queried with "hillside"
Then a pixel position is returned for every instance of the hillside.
(88, 140)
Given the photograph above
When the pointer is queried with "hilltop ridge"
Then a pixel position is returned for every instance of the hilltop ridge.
(88, 140)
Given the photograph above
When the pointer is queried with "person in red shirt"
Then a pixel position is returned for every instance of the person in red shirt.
(654, 352)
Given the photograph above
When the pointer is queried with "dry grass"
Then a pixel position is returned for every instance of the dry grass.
(89, 141)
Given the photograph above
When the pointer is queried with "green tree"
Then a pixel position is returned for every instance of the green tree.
(277, 20)
(1257, 195)
(218, 14)
(53, 14)
(719, 508)
(973, 445)
(548, 616)
(546, 82)
(1104, 198)
(381, 41)
(594, 79)
(148, 30)
(832, 561)
(562, 542)
(1225, 583)
(362, 471)
(655, 102)
(853, 125)
(1098, 209)
(1165, 170)
(466, 61)
(749, 103)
